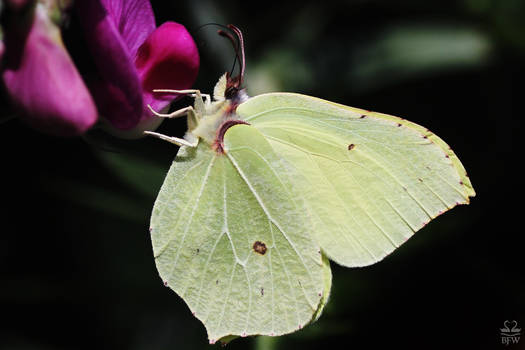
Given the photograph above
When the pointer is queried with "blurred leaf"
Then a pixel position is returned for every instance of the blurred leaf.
(144, 176)
(97, 198)
(411, 50)
(505, 18)
(279, 70)
(263, 342)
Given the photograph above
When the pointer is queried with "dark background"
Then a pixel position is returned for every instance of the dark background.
(76, 267)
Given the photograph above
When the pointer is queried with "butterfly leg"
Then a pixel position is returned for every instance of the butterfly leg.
(187, 91)
(193, 92)
(200, 103)
(194, 113)
(178, 113)
(174, 140)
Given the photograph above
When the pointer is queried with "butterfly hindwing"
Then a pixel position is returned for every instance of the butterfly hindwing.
(227, 240)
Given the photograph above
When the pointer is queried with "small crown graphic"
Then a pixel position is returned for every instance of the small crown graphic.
(510, 328)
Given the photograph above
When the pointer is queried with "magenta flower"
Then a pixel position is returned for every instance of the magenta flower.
(133, 58)
(40, 77)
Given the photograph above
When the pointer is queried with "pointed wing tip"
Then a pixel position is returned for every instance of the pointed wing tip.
(466, 201)
(468, 188)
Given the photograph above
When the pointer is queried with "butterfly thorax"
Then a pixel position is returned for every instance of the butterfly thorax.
(213, 118)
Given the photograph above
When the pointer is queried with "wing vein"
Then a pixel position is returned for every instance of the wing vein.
(263, 206)
(197, 200)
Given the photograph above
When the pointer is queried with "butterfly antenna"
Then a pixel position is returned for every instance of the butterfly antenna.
(238, 45)
(235, 46)
(225, 34)
(240, 55)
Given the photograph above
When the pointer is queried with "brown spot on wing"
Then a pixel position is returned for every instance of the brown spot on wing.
(259, 247)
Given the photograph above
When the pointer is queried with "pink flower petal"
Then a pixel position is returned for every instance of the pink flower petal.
(42, 80)
(134, 19)
(133, 58)
(168, 59)
(117, 91)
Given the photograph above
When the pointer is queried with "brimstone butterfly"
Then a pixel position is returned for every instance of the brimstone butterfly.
(264, 190)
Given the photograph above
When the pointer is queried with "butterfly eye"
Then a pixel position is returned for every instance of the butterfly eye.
(231, 92)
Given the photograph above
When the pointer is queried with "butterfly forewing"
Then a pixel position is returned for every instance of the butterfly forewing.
(369, 180)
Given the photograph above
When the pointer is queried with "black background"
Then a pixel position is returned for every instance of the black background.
(76, 268)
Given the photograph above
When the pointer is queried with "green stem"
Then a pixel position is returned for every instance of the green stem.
(265, 343)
